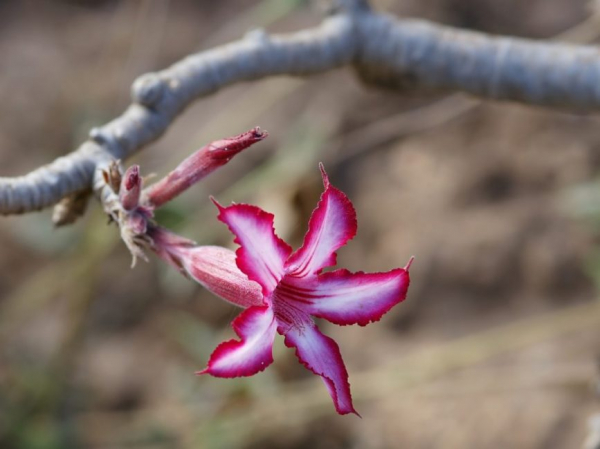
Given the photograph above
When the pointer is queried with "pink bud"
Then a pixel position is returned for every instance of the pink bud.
(131, 186)
(198, 165)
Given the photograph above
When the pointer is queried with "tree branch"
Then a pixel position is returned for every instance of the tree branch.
(408, 54)
(385, 52)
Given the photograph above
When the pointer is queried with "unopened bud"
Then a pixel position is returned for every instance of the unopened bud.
(131, 187)
(198, 165)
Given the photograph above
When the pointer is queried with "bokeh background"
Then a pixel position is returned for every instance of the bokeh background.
(498, 342)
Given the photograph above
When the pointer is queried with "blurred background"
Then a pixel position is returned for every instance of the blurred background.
(498, 342)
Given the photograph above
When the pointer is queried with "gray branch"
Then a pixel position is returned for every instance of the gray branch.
(384, 51)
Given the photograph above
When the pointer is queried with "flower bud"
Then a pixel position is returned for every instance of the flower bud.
(131, 187)
(198, 165)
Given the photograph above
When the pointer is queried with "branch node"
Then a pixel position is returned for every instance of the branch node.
(97, 136)
(148, 89)
(107, 140)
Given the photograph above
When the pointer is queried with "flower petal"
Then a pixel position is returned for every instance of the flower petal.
(322, 356)
(331, 225)
(256, 328)
(262, 254)
(344, 298)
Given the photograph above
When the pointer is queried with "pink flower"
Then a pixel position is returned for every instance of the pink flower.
(293, 290)
(281, 290)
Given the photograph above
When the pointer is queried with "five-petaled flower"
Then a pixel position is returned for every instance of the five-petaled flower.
(281, 290)
(294, 289)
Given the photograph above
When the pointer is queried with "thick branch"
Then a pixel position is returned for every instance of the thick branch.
(159, 97)
(408, 54)
(386, 52)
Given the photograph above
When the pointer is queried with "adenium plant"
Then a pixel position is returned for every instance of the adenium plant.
(280, 289)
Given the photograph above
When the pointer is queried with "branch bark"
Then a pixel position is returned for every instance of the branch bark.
(385, 52)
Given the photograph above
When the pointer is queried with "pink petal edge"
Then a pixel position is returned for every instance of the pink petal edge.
(331, 225)
(321, 355)
(253, 353)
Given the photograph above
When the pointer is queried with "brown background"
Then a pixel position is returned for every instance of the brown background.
(497, 343)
